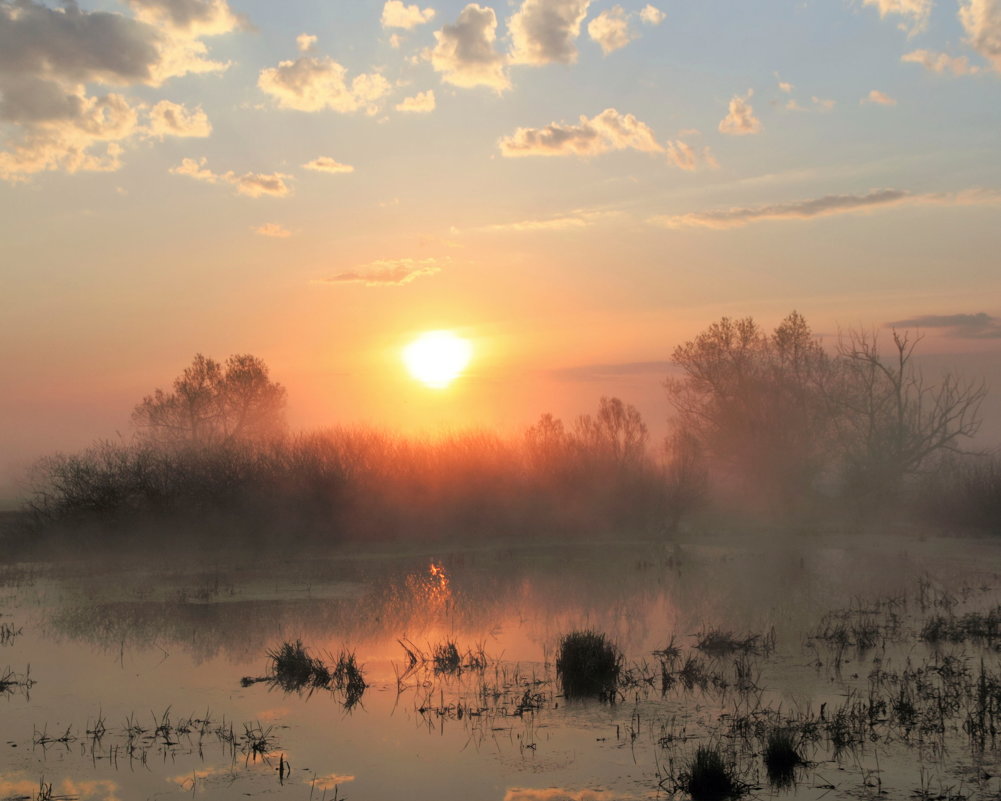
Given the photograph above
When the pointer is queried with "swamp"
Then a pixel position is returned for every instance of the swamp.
(808, 665)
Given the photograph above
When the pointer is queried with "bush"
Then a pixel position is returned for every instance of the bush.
(588, 665)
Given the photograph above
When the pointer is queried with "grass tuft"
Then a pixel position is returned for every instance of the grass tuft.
(293, 668)
(709, 777)
(782, 756)
(588, 665)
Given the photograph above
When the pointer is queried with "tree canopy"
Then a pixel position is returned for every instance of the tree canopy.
(213, 403)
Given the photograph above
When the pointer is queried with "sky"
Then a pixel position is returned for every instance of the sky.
(576, 186)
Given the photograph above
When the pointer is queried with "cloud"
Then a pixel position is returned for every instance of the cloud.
(818, 104)
(48, 57)
(963, 326)
(396, 15)
(250, 184)
(740, 120)
(610, 29)
(190, 17)
(982, 22)
(304, 42)
(785, 86)
(314, 83)
(651, 15)
(387, 272)
(544, 31)
(327, 164)
(940, 62)
(822, 207)
(422, 102)
(684, 156)
(916, 12)
(879, 98)
(82, 133)
(604, 132)
(273, 230)
(174, 119)
(552, 224)
(465, 52)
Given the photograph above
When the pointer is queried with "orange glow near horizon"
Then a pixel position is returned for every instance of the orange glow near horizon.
(437, 358)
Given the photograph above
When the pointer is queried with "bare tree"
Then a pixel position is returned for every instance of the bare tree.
(213, 403)
(891, 421)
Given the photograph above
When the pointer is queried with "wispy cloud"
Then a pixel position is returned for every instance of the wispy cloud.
(962, 326)
(386, 272)
(879, 98)
(822, 207)
(250, 184)
(686, 157)
(914, 12)
(940, 62)
(175, 119)
(550, 224)
(328, 165)
(273, 230)
(609, 130)
(610, 29)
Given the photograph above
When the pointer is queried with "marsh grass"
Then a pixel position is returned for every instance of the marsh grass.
(588, 665)
(716, 642)
(348, 679)
(709, 777)
(782, 756)
(984, 626)
(293, 668)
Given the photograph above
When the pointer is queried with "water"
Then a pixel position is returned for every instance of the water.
(127, 683)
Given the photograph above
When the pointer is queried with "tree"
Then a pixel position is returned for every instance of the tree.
(756, 404)
(214, 404)
(891, 422)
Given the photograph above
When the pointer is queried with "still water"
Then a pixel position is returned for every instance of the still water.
(128, 683)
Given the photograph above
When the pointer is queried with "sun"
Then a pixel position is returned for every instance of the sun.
(437, 358)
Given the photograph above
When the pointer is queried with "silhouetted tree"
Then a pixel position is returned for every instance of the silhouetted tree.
(756, 404)
(891, 422)
(213, 403)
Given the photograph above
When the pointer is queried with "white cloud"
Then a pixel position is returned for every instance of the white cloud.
(543, 31)
(606, 131)
(879, 98)
(397, 15)
(190, 17)
(740, 120)
(251, 184)
(823, 207)
(651, 15)
(273, 230)
(422, 102)
(915, 12)
(327, 164)
(610, 29)
(48, 56)
(465, 53)
(940, 62)
(982, 21)
(175, 119)
(313, 83)
(386, 272)
(786, 87)
(304, 42)
(685, 157)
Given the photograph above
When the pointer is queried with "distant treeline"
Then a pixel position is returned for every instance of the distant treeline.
(769, 425)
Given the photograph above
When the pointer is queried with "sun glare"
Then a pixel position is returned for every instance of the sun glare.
(437, 357)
